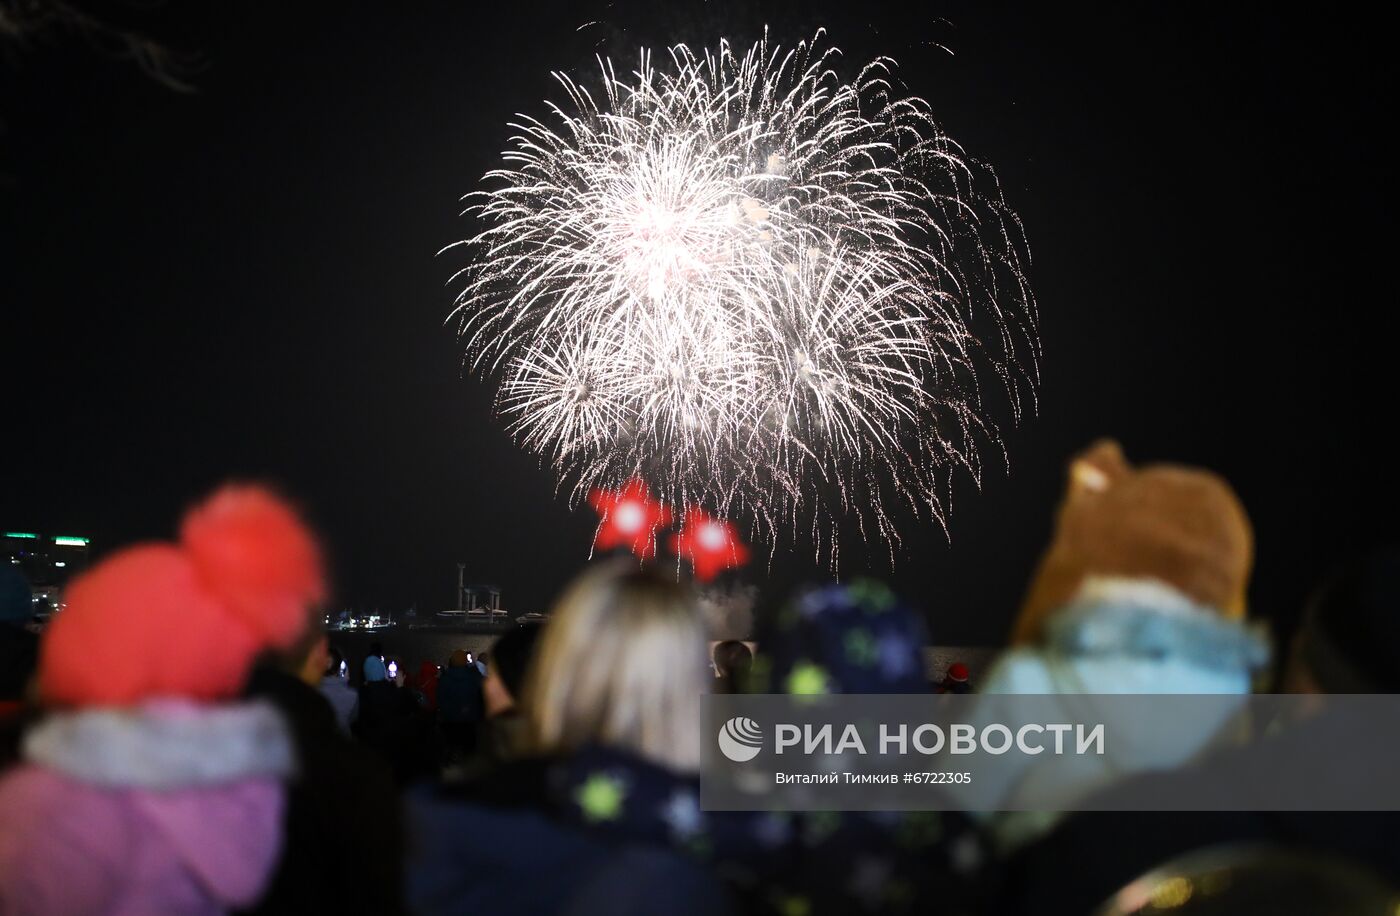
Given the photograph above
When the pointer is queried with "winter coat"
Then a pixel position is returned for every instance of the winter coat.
(597, 833)
(381, 714)
(459, 697)
(374, 670)
(1047, 877)
(427, 683)
(851, 638)
(391, 722)
(170, 807)
(19, 654)
(344, 699)
(344, 821)
(604, 831)
(1119, 637)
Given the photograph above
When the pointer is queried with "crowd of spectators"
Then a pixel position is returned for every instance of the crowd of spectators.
(184, 738)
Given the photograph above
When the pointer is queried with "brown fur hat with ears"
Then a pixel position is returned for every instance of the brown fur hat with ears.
(1181, 526)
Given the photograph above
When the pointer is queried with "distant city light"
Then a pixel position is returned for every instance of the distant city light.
(22, 534)
(70, 542)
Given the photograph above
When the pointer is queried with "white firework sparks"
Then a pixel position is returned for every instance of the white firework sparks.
(758, 287)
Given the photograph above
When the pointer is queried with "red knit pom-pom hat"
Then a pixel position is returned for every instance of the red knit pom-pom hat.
(186, 619)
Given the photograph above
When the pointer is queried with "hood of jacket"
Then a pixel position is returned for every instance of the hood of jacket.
(169, 805)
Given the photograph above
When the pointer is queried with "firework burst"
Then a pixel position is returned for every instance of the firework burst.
(759, 287)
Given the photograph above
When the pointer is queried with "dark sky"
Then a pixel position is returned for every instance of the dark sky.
(242, 280)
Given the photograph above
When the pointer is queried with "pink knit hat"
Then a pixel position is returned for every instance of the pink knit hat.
(186, 619)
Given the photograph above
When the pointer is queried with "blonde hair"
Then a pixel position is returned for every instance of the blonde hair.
(620, 663)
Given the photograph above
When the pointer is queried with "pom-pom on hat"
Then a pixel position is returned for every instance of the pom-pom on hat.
(187, 619)
(253, 552)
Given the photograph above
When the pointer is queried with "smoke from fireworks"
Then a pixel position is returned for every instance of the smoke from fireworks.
(759, 287)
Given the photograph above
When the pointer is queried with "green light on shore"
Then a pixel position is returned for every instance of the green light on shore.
(70, 542)
(22, 534)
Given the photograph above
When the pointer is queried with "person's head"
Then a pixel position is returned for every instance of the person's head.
(308, 659)
(855, 637)
(186, 619)
(732, 659)
(335, 661)
(376, 648)
(1349, 641)
(1177, 526)
(622, 664)
(732, 655)
(375, 670)
(510, 658)
(460, 658)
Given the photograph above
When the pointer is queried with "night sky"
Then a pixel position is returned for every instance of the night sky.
(242, 280)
